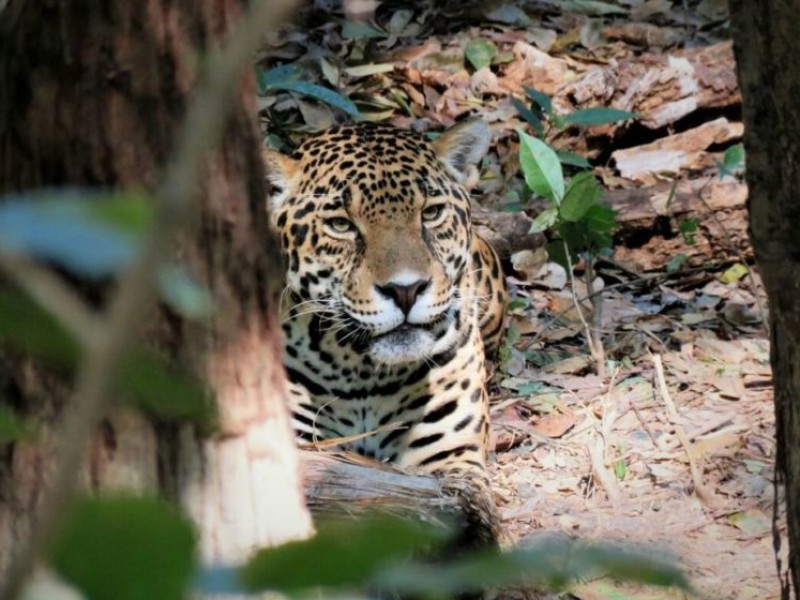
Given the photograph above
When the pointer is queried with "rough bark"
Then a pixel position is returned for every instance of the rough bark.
(91, 94)
(349, 484)
(766, 44)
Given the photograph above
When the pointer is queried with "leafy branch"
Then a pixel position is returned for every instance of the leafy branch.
(583, 224)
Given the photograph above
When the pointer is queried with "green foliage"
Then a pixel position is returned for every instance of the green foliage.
(541, 168)
(165, 392)
(576, 214)
(343, 553)
(581, 195)
(688, 229)
(541, 117)
(551, 563)
(357, 30)
(480, 53)
(25, 326)
(597, 115)
(732, 161)
(126, 548)
(131, 548)
(91, 234)
(571, 159)
(287, 78)
(183, 293)
(529, 115)
(157, 387)
(540, 99)
(14, 428)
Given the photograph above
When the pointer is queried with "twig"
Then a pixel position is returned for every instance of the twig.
(703, 493)
(587, 330)
(201, 131)
(640, 279)
(597, 318)
(706, 496)
(599, 471)
(662, 387)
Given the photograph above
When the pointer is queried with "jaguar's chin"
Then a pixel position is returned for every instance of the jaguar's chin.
(411, 343)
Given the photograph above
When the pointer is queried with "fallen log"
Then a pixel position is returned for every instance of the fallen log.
(649, 232)
(661, 88)
(344, 483)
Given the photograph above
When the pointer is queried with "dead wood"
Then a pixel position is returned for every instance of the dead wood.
(348, 484)
(649, 234)
(688, 151)
(662, 88)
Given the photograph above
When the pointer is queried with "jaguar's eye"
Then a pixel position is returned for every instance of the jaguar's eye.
(340, 225)
(432, 213)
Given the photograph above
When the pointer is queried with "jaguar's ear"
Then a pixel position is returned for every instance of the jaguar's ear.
(462, 147)
(281, 173)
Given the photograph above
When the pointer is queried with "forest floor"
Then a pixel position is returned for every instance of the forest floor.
(667, 440)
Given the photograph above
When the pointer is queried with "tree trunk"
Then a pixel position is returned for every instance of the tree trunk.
(766, 44)
(91, 94)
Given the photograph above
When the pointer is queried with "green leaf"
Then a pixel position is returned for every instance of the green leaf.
(544, 220)
(323, 94)
(287, 72)
(535, 387)
(541, 167)
(13, 427)
(343, 553)
(165, 392)
(25, 326)
(734, 156)
(354, 30)
(125, 548)
(620, 469)
(157, 387)
(529, 116)
(593, 8)
(480, 53)
(688, 229)
(575, 235)
(128, 212)
(518, 304)
(88, 233)
(732, 161)
(573, 160)
(676, 262)
(552, 562)
(513, 334)
(601, 219)
(541, 99)
(598, 115)
(183, 292)
(582, 193)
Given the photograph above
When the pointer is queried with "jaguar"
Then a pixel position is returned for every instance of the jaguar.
(392, 301)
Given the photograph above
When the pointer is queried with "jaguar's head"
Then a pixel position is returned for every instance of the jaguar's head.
(374, 222)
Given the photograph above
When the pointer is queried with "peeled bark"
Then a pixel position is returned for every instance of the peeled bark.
(766, 44)
(91, 94)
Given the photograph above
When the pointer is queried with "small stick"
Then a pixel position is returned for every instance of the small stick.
(600, 473)
(662, 387)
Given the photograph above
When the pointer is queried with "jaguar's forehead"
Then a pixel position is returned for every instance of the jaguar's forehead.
(367, 166)
(365, 143)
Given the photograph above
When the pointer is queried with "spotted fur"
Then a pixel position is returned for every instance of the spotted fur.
(391, 297)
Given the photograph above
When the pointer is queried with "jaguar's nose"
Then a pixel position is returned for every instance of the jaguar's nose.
(404, 296)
